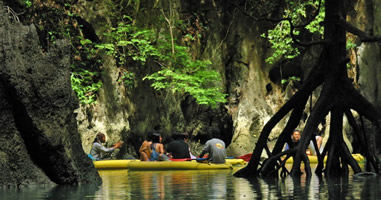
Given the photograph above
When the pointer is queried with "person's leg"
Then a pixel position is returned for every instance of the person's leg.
(163, 157)
(143, 156)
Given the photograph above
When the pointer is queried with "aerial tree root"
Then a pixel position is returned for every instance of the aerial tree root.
(338, 97)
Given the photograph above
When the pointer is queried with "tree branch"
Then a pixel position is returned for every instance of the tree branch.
(364, 37)
(359, 103)
(349, 158)
(292, 26)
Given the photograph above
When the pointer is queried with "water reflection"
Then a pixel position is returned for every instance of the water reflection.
(53, 192)
(204, 184)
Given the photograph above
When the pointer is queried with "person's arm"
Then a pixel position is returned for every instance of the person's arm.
(161, 149)
(103, 148)
(143, 147)
(205, 150)
(169, 150)
(117, 145)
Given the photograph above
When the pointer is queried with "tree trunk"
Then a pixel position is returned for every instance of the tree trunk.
(337, 97)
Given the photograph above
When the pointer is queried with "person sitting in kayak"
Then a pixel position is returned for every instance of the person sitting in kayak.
(178, 149)
(215, 148)
(100, 152)
(157, 149)
(145, 149)
(295, 137)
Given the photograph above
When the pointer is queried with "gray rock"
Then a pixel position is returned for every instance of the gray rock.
(39, 138)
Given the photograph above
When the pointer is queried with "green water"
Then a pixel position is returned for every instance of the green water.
(213, 184)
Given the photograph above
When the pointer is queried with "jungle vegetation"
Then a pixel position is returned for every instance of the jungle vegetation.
(131, 43)
(338, 96)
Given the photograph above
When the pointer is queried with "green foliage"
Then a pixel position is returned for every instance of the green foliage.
(28, 3)
(52, 36)
(128, 79)
(182, 74)
(190, 76)
(85, 80)
(350, 45)
(84, 85)
(280, 38)
(179, 73)
(127, 40)
(289, 79)
(127, 43)
(281, 42)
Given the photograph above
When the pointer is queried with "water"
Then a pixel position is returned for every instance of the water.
(214, 184)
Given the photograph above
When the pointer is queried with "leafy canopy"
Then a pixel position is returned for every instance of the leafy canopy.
(178, 72)
(299, 11)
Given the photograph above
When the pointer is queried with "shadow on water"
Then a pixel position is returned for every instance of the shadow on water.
(363, 186)
(50, 192)
(205, 184)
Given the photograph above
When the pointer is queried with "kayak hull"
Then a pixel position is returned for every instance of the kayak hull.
(313, 159)
(165, 165)
(178, 165)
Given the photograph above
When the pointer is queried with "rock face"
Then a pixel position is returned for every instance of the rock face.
(39, 138)
(368, 58)
(128, 113)
(236, 50)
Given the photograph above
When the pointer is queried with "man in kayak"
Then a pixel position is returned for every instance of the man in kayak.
(295, 137)
(178, 148)
(215, 148)
(98, 151)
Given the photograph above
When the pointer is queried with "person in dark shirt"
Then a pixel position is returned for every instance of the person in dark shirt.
(178, 148)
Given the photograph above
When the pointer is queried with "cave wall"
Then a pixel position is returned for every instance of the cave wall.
(40, 142)
(367, 58)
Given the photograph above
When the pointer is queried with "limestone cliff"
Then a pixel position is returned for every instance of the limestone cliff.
(37, 99)
(39, 138)
(231, 40)
(225, 36)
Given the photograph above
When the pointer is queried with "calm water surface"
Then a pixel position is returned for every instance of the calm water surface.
(215, 184)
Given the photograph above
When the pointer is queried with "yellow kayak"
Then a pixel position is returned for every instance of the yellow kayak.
(165, 165)
(313, 159)
(175, 165)
(112, 164)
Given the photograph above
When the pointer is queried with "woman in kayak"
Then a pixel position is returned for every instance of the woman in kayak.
(145, 149)
(157, 148)
(98, 151)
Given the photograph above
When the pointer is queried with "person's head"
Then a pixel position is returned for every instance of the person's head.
(295, 136)
(177, 136)
(149, 136)
(216, 132)
(156, 138)
(100, 138)
(185, 136)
